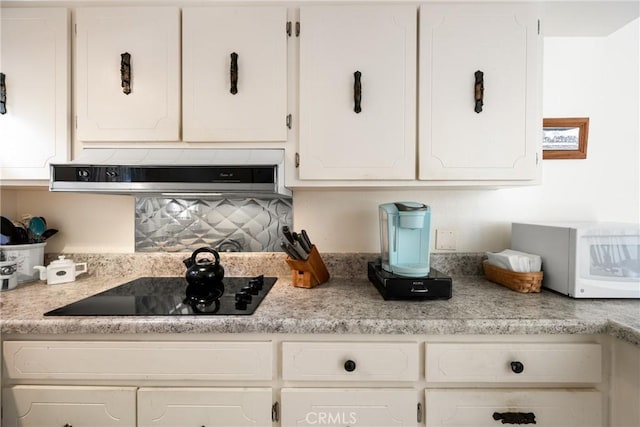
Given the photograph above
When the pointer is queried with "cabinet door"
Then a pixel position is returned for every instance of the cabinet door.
(349, 407)
(503, 140)
(379, 42)
(490, 408)
(34, 58)
(151, 111)
(53, 406)
(222, 407)
(255, 109)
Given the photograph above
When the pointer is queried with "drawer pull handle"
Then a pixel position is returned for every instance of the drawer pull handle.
(233, 71)
(478, 91)
(125, 72)
(515, 417)
(67, 425)
(517, 367)
(3, 94)
(349, 366)
(357, 92)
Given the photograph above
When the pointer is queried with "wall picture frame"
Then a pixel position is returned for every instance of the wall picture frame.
(565, 138)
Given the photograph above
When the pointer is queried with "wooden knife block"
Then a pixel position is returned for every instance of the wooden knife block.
(310, 272)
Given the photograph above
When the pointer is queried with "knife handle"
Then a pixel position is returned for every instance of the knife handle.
(289, 251)
(287, 234)
(306, 239)
(300, 241)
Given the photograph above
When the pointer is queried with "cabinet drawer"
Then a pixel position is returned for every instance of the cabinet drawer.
(513, 362)
(306, 361)
(170, 407)
(52, 406)
(227, 361)
(490, 408)
(349, 407)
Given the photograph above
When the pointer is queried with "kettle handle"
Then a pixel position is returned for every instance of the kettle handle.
(205, 249)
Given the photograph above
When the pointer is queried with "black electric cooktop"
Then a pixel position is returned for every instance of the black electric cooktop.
(172, 296)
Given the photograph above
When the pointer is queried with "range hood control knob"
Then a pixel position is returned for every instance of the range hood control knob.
(83, 174)
(112, 174)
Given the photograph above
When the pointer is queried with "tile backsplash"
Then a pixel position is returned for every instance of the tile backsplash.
(229, 224)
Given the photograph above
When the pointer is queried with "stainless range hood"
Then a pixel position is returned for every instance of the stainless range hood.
(173, 172)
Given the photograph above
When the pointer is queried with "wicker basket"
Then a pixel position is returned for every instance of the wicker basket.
(519, 282)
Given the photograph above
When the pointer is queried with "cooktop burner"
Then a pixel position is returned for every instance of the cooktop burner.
(171, 296)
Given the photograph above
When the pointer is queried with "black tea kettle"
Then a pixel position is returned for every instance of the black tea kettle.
(204, 271)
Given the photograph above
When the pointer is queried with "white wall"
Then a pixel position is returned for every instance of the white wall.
(594, 77)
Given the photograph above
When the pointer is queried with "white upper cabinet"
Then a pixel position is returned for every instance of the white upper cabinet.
(357, 92)
(34, 115)
(503, 140)
(234, 64)
(134, 99)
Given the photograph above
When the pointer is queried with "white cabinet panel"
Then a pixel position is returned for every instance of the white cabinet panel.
(349, 407)
(57, 406)
(487, 362)
(34, 57)
(480, 408)
(231, 361)
(224, 407)
(257, 111)
(333, 361)
(502, 141)
(379, 41)
(151, 35)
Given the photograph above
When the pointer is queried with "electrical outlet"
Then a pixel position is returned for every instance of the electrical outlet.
(446, 240)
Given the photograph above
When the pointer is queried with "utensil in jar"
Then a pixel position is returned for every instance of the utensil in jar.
(37, 226)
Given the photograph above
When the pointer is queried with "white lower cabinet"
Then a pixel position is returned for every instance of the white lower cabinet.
(349, 407)
(306, 380)
(57, 406)
(481, 407)
(224, 407)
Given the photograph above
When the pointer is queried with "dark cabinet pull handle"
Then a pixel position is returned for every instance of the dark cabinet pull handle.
(357, 92)
(67, 425)
(478, 91)
(125, 72)
(349, 366)
(234, 73)
(517, 367)
(515, 417)
(3, 95)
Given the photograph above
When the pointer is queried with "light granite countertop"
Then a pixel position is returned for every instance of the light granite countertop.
(344, 305)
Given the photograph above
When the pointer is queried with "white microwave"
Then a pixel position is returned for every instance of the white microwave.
(584, 260)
